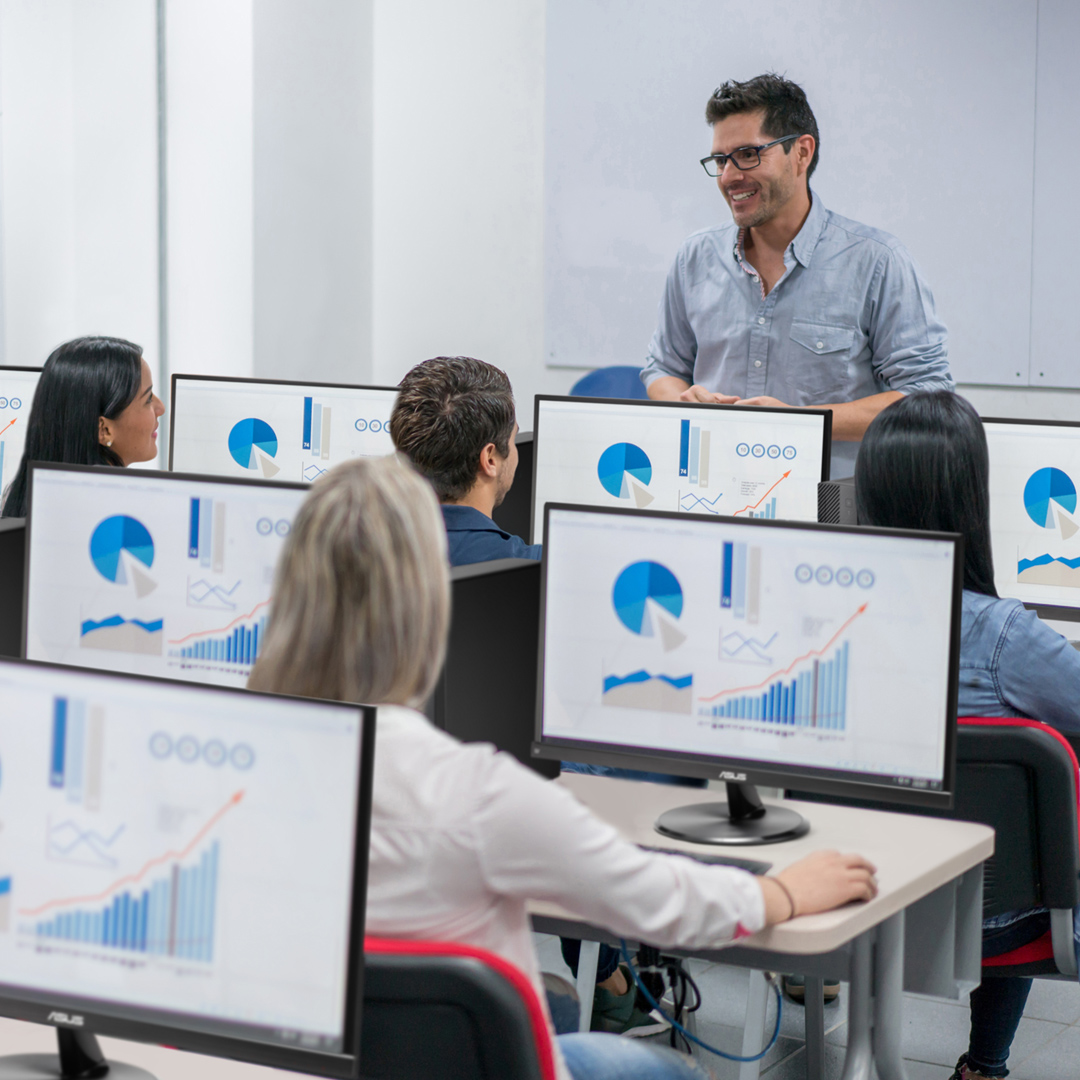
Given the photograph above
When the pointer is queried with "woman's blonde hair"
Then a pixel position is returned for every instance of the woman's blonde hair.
(362, 594)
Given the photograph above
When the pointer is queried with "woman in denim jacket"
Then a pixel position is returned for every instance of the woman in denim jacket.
(923, 464)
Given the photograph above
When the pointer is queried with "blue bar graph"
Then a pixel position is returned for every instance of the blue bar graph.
(172, 916)
(307, 423)
(815, 698)
(241, 646)
(193, 531)
(684, 448)
(768, 512)
(59, 742)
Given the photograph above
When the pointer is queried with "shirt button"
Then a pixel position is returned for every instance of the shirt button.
(757, 363)
(821, 344)
(761, 320)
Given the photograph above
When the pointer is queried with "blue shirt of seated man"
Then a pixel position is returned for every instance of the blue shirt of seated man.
(473, 537)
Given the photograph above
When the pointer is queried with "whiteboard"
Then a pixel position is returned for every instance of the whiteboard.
(927, 116)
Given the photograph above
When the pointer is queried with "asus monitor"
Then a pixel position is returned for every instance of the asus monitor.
(740, 461)
(152, 573)
(17, 387)
(821, 657)
(268, 429)
(1034, 519)
(183, 865)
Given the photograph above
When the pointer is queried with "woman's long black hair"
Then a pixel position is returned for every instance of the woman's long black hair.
(923, 464)
(82, 381)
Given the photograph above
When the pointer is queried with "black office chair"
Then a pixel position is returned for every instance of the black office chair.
(1021, 777)
(444, 1011)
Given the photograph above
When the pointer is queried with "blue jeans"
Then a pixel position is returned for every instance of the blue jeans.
(598, 1056)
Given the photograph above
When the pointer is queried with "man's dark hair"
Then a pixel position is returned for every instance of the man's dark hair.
(787, 112)
(82, 381)
(923, 464)
(448, 409)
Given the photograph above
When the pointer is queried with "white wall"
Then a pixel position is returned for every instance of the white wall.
(78, 185)
(458, 204)
(209, 66)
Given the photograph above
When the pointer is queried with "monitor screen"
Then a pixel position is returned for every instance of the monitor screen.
(1034, 519)
(709, 647)
(17, 386)
(268, 430)
(152, 573)
(183, 864)
(741, 461)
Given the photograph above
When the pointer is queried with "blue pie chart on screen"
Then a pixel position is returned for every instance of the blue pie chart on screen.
(253, 444)
(648, 599)
(1045, 487)
(115, 535)
(625, 471)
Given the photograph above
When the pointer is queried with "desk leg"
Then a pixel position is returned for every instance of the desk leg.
(814, 1004)
(757, 1002)
(889, 999)
(586, 980)
(857, 1063)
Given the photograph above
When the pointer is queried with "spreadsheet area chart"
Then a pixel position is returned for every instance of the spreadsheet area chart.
(152, 573)
(693, 459)
(750, 642)
(17, 388)
(159, 836)
(270, 430)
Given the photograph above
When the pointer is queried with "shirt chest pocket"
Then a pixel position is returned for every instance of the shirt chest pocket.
(819, 360)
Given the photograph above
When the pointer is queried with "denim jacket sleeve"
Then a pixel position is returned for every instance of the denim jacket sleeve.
(1038, 672)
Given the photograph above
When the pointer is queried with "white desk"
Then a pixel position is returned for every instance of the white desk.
(923, 932)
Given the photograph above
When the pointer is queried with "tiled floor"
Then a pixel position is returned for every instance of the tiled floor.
(1047, 1045)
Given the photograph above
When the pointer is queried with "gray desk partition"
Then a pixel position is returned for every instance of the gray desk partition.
(12, 571)
(487, 689)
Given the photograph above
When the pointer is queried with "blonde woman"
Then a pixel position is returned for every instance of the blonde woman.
(462, 836)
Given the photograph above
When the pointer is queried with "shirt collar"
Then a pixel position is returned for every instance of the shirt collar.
(802, 247)
(467, 519)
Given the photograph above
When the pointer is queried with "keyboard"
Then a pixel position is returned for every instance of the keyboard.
(755, 866)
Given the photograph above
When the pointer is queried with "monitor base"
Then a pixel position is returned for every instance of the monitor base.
(78, 1057)
(47, 1067)
(743, 819)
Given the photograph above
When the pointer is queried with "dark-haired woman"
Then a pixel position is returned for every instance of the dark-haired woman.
(923, 464)
(94, 405)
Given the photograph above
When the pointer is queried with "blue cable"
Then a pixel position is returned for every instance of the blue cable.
(686, 1034)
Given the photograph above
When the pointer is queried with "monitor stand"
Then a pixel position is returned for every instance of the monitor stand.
(79, 1057)
(743, 819)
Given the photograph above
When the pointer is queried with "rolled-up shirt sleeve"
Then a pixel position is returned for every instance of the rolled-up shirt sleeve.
(673, 349)
(534, 840)
(907, 337)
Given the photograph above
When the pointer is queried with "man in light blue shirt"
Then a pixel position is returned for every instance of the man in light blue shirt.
(790, 304)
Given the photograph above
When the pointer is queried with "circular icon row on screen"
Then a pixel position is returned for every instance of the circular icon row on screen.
(825, 575)
(374, 426)
(10, 403)
(189, 750)
(761, 450)
(265, 527)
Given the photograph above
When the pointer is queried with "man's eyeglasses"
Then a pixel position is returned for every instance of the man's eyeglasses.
(746, 157)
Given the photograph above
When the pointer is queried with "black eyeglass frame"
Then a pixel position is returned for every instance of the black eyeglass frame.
(721, 160)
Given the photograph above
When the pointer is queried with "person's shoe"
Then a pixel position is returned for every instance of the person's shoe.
(795, 989)
(617, 1014)
(964, 1072)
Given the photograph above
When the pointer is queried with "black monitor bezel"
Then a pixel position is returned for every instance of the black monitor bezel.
(1044, 611)
(824, 782)
(251, 380)
(826, 452)
(120, 471)
(148, 1026)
